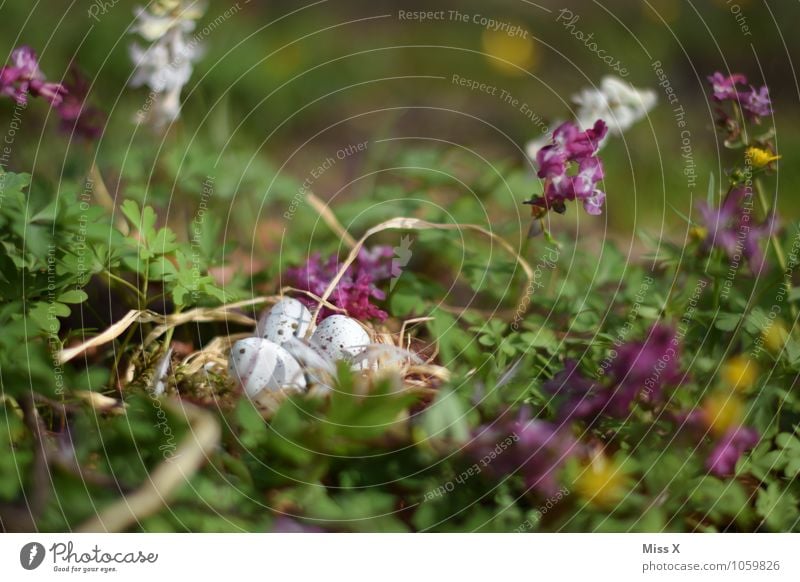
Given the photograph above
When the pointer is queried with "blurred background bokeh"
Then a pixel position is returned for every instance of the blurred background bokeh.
(284, 85)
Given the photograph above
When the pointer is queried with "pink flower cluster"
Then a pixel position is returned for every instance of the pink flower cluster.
(571, 169)
(78, 117)
(755, 102)
(731, 227)
(356, 288)
(639, 372)
(23, 77)
(535, 449)
(726, 450)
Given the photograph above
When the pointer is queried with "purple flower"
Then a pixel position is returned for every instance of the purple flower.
(725, 88)
(586, 143)
(24, 60)
(552, 159)
(378, 262)
(77, 116)
(51, 92)
(594, 204)
(355, 289)
(757, 102)
(23, 76)
(754, 102)
(522, 445)
(639, 372)
(570, 144)
(576, 395)
(730, 228)
(727, 451)
(590, 171)
(18, 75)
(643, 369)
(571, 147)
(717, 221)
(13, 84)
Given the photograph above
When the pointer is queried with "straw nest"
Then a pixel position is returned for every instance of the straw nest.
(201, 376)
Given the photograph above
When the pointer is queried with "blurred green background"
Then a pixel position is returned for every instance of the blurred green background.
(283, 85)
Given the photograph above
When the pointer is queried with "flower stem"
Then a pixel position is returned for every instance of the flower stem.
(171, 331)
(523, 252)
(765, 207)
(125, 283)
(776, 246)
(119, 355)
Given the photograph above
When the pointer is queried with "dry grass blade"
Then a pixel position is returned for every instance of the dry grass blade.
(101, 402)
(153, 494)
(110, 334)
(406, 323)
(226, 313)
(215, 352)
(330, 219)
(403, 223)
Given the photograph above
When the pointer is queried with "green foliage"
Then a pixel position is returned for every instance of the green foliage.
(367, 455)
(156, 255)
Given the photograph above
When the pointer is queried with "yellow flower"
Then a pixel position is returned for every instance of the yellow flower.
(723, 411)
(509, 52)
(775, 336)
(759, 157)
(602, 482)
(698, 233)
(740, 373)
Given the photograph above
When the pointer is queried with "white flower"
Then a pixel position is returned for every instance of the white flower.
(152, 27)
(155, 22)
(616, 102)
(162, 109)
(166, 65)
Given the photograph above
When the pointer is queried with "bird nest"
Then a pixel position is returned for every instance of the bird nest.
(202, 376)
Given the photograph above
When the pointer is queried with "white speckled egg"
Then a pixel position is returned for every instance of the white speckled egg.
(287, 318)
(340, 337)
(260, 364)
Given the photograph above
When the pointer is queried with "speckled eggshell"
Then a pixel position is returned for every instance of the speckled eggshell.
(260, 364)
(287, 318)
(340, 337)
